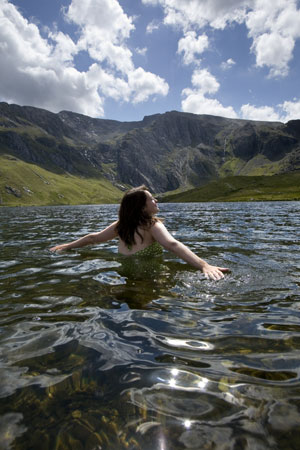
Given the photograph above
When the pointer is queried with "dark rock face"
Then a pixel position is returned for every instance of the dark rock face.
(164, 151)
(15, 144)
(277, 146)
(293, 128)
(245, 142)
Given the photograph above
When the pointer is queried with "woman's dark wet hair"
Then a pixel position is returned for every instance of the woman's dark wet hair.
(132, 214)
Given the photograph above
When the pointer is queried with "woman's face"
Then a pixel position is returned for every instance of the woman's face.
(151, 204)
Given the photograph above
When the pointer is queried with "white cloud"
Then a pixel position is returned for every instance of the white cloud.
(106, 16)
(187, 14)
(144, 84)
(154, 25)
(40, 72)
(226, 65)
(205, 82)
(191, 46)
(291, 110)
(197, 102)
(151, 2)
(141, 51)
(111, 85)
(36, 72)
(280, 16)
(104, 29)
(289, 19)
(273, 25)
(274, 51)
(19, 39)
(265, 113)
(64, 48)
(118, 57)
(138, 88)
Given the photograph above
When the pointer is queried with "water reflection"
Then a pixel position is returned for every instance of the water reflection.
(97, 353)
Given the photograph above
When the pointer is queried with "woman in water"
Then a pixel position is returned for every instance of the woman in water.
(141, 233)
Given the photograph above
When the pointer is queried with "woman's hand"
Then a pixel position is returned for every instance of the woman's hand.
(213, 272)
(59, 248)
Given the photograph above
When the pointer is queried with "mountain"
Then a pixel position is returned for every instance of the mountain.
(171, 151)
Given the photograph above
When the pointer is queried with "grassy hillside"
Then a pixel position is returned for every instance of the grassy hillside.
(23, 184)
(243, 188)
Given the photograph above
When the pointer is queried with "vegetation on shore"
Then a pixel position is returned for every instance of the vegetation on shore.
(24, 184)
(243, 188)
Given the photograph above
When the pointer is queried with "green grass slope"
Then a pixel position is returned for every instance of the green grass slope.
(23, 184)
(243, 188)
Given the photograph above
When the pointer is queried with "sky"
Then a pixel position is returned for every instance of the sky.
(126, 59)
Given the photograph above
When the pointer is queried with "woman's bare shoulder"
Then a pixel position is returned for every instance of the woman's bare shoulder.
(158, 228)
(157, 222)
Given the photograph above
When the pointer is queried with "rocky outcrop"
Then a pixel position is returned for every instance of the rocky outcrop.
(164, 151)
(13, 191)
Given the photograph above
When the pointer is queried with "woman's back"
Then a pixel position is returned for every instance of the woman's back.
(143, 239)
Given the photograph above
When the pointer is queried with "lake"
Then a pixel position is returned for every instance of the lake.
(98, 354)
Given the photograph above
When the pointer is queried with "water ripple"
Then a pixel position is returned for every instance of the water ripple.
(93, 355)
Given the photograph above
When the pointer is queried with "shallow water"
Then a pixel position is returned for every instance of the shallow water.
(99, 355)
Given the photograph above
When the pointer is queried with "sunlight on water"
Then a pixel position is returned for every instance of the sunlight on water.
(99, 353)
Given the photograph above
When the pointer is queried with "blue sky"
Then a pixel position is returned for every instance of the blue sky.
(125, 59)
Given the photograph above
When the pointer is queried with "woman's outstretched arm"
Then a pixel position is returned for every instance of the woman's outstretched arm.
(162, 235)
(90, 239)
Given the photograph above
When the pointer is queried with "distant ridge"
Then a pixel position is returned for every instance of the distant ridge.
(170, 151)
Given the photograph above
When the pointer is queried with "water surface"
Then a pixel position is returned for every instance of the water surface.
(99, 355)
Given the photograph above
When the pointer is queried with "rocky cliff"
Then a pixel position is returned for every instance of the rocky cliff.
(165, 151)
